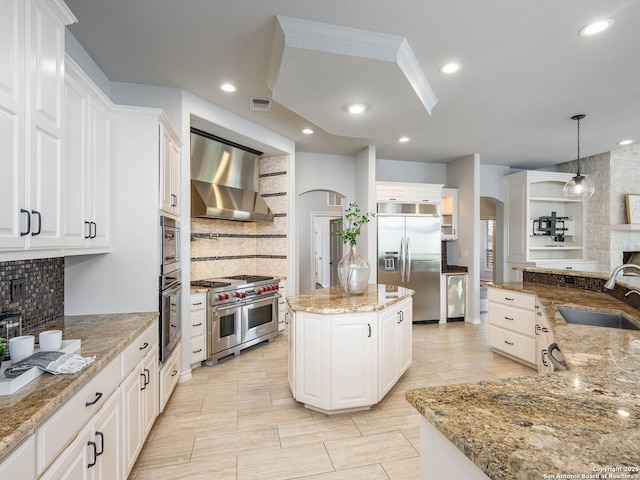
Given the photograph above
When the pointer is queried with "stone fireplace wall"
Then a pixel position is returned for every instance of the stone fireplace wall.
(615, 174)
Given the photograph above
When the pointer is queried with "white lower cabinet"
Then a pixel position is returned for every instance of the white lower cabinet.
(140, 406)
(96, 452)
(394, 344)
(21, 462)
(198, 317)
(169, 375)
(346, 362)
(512, 324)
(98, 433)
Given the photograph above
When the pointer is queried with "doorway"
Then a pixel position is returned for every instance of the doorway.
(328, 249)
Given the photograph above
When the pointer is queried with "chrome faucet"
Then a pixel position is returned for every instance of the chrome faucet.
(612, 279)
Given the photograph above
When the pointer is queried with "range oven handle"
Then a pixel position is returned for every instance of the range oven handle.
(174, 288)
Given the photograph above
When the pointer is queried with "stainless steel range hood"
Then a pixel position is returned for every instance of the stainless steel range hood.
(225, 181)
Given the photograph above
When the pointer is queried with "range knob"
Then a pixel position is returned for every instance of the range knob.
(238, 294)
(220, 297)
(226, 296)
(244, 295)
(258, 292)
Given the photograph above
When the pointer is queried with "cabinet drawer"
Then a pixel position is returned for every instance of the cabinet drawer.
(198, 352)
(135, 352)
(20, 463)
(169, 376)
(61, 428)
(197, 326)
(512, 343)
(509, 297)
(198, 301)
(511, 318)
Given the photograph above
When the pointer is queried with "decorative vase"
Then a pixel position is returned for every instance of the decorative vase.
(353, 272)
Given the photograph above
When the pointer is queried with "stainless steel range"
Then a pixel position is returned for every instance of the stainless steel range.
(242, 311)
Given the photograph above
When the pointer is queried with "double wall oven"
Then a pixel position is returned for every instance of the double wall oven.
(170, 286)
(242, 311)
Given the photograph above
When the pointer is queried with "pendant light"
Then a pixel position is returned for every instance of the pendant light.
(579, 187)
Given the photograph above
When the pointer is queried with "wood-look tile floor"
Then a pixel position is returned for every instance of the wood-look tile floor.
(237, 420)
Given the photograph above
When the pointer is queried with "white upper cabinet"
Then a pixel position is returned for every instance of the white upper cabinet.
(88, 163)
(169, 172)
(31, 123)
(449, 214)
(403, 192)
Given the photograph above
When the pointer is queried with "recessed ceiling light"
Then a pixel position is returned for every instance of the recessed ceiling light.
(356, 108)
(403, 139)
(596, 27)
(625, 142)
(228, 87)
(307, 131)
(450, 67)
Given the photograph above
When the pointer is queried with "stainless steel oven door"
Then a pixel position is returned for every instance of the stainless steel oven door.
(224, 328)
(260, 318)
(169, 320)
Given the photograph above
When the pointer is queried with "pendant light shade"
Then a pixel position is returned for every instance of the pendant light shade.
(579, 187)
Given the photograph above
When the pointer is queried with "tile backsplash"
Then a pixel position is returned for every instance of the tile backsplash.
(44, 284)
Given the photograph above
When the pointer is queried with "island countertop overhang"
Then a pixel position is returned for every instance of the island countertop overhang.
(333, 300)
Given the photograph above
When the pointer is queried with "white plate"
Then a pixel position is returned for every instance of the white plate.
(12, 385)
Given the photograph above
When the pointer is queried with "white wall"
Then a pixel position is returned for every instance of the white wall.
(415, 172)
(365, 195)
(317, 171)
(492, 181)
(464, 174)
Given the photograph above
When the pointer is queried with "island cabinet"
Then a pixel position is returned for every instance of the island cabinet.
(512, 324)
(347, 361)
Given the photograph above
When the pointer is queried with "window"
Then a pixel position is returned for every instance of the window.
(488, 243)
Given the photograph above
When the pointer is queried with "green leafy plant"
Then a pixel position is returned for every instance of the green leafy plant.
(3, 342)
(353, 221)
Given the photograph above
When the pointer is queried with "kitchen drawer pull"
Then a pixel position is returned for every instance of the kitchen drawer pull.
(95, 230)
(286, 317)
(196, 351)
(22, 234)
(89, 224)
(144, 382)
(199, 303)
(144, 346)
(369, 325)
(174, 373)
(147, 377)
(508, 343)
(399, 317)
(98, 396)
(509, 299)
(95, 454)
(508, 318)
(101, 435)
(36, 212)
(197, 324)
(173, 325)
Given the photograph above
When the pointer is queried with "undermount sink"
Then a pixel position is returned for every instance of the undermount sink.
(597, 319)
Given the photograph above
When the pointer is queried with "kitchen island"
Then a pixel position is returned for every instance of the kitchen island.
(584, 421)
(347, 351)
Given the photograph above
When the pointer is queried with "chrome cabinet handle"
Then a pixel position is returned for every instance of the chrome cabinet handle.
(22, 234)
(98, 396)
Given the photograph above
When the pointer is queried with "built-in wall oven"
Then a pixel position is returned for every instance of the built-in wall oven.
(243, 311)
(170, 286)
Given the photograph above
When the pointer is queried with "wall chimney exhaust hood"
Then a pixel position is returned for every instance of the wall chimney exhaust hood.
(225, 181)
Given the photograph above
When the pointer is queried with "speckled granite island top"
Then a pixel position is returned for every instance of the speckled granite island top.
(564, 423)
(104, 336)
(333, 299)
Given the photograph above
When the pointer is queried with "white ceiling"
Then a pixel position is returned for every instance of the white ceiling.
(525, 72)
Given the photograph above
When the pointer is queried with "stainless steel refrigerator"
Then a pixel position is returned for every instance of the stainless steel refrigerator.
(409, 252)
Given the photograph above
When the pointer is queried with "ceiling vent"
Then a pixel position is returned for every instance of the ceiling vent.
(260, 105)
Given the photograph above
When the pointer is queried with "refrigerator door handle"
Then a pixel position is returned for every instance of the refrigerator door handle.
(402, 259)
(408, 260)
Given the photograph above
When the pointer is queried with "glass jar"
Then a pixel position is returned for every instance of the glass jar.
(353, 272)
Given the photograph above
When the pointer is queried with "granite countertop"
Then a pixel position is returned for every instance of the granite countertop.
(104, 336)
(569, 422)
(333, 299)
